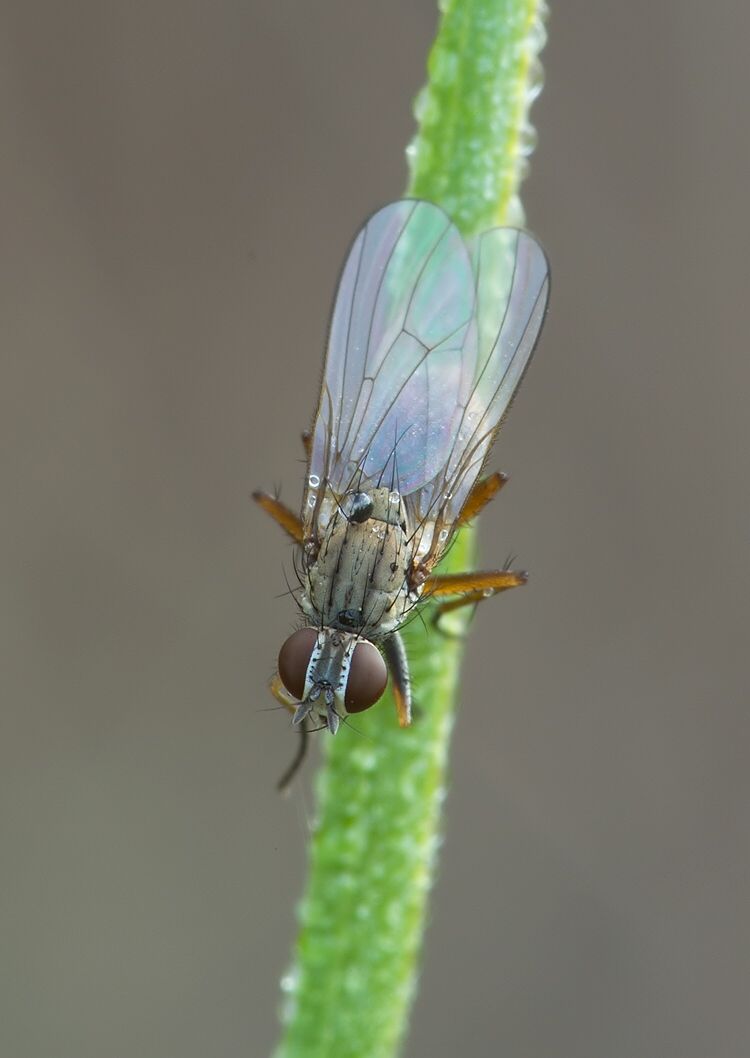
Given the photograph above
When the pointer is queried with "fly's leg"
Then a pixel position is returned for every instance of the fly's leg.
(460, 583)
(281, 514)
(484, 491)
(472, 599)
(398, 666)
(285, 780)
(478, 498)
(300, 710)
(471, 589)
(281, 694)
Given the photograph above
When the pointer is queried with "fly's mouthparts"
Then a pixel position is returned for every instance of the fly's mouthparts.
(332, 719)
(305, 709)
(302, 712)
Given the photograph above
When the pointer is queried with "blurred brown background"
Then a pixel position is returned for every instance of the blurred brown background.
(179, 182)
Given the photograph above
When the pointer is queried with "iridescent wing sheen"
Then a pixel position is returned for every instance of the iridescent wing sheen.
(512, 289)
(426, 349)
(401, 353)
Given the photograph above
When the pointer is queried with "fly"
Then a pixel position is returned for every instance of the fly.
(429, 340)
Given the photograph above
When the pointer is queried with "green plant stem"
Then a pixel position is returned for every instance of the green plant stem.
(380, 789)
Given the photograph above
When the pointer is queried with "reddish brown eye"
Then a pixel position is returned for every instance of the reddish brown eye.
(367, 678)
(294, 657)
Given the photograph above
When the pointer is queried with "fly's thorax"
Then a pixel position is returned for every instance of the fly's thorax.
(358, 580)
(379, 504)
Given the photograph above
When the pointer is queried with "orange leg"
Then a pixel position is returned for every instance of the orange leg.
(484, 491)
(281, 694)
(282, 515)
(470, 589)
(472, 598)
(463, 583)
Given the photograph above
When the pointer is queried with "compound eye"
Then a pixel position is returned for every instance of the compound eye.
(294, 658)
(367, 678)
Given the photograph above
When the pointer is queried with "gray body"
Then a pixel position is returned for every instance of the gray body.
(358, 581)
(356, 587)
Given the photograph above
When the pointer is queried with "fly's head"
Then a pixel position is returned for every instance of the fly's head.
(331, 673)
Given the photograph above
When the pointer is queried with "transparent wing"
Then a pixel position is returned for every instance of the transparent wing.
(402, 357)
(512, 289)
(426, 350)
